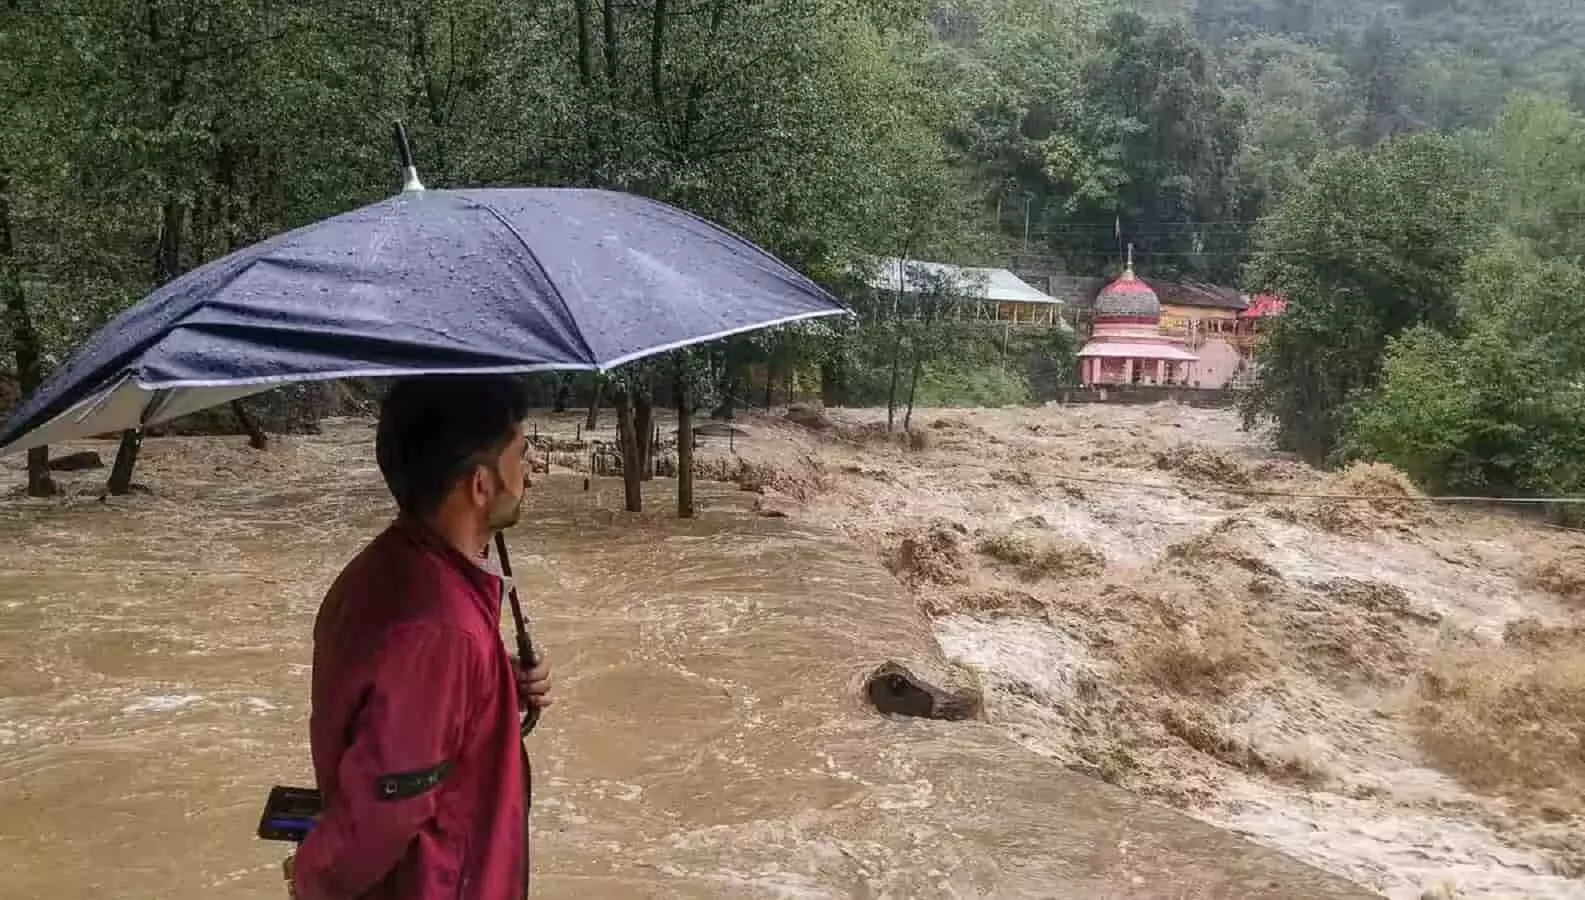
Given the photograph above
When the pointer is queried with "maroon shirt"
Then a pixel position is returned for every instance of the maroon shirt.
(414, 731)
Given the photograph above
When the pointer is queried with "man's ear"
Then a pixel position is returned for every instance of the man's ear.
(478, 485)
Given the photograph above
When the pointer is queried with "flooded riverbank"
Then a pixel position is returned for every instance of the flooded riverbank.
(1386, 688)
(708, 739)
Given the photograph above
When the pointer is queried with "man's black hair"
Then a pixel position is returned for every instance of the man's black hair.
(434, 429)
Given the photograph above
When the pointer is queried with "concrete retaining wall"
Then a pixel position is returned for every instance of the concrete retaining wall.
(1142, 394)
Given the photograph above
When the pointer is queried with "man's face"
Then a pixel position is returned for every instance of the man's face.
(503, 502)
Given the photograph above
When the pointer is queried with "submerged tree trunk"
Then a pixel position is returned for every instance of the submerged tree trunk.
(24, 337)
(40, 484)
(167, 265)
(563, 392)
(684, 444)
(832, 388)
(627, 441)
(913, 390)
(644, 430)
(593, 421)
(126, 460)
(728, 384)
(891, 392)
(257, 439)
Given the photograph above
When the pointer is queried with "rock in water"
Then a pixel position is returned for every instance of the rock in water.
(951, 694)
(76, 462)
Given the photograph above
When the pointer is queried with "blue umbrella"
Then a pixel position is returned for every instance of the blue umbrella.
(425, 282)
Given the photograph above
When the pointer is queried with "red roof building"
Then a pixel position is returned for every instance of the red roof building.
(1263, 305)
(1126, 345)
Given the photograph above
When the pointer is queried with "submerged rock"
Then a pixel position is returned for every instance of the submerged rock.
(950, 694)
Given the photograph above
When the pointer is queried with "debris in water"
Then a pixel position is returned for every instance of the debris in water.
(1226, 543)
(1203, 464)
(76, 462)
(1381, 498)
(989, 604)
(952, 693)
(1563, 575)
(811, 417)
(932, 555)
(1036, 556)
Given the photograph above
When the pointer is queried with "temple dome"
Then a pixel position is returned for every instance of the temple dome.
(1128, 298)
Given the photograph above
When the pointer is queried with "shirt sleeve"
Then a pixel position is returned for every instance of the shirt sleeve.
(405, 740)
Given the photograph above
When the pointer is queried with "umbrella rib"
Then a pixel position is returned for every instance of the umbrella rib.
(715, 336)
(543, 272)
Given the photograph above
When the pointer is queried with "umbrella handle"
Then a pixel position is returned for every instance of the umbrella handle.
(527, 656)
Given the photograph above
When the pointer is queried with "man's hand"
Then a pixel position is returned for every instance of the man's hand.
(287, 867)
(533, 686)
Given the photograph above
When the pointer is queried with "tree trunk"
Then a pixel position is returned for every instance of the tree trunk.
(563, 390)
(126, 460)
(726, 409)
(891, 393)
(585, 43)
(612, 72)
(691, 112)
(168, 257)
(657, 55)
(40, 484)
(257, 439)
(684, 444)
(168, 260)
(913, 388)
(167, 265)
(644, 430)
(593, 421)
(627, 441)
(832, 392)
(24, 338)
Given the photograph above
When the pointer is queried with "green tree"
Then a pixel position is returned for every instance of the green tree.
(1495, 402)
(1373, 245)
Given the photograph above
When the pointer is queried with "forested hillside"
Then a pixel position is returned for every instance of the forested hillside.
(1181, 122)
(1257, 142)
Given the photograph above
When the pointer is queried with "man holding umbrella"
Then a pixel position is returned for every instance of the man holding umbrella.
(415, 723)
(415, 701)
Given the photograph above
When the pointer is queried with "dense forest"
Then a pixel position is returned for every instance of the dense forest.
(1407, 173)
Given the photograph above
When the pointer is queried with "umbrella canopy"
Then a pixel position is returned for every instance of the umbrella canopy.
(427, 282)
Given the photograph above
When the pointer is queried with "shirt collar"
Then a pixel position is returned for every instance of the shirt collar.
(483, 571)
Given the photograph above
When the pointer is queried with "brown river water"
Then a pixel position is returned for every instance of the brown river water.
(708, 739)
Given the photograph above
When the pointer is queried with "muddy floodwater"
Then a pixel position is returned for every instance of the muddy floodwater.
(708, 739)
